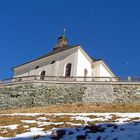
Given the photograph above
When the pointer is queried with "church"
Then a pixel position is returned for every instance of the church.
(65, 61)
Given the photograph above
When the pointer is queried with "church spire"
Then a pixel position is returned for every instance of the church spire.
(62, 40)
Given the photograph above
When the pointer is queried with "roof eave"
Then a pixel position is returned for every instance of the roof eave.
(42, 58)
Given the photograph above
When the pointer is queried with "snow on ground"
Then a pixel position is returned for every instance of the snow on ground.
(12, 127)
(71, 126)
(29, 121)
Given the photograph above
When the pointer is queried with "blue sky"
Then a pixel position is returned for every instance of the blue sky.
(107, 29)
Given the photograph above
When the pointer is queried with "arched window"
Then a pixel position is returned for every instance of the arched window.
(42, 75)
(85, 72)
(68, 70)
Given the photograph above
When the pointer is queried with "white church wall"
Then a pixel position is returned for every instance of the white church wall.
(96, 70)
(55, 69)
(105, 72)
(101, 70)
(83, 63)
(68, 57)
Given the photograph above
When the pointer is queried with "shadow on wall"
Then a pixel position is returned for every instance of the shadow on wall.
(105, 131)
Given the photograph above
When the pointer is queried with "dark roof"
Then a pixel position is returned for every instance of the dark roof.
(95, 59)
(54, 51)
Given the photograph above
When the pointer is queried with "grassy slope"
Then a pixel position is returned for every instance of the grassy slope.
(78, 108)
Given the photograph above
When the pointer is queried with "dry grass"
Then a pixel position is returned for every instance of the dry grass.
(64, 118)
(92, 116)
(77, 121)
(77, 108)
(8, 133)
(12, 133)
(32, 125)
(113, 118)
(95, 122)
(9, 120)
(48, 127)
(135, 119)
(63, 125)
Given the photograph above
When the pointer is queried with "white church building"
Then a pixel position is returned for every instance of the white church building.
(64, 61)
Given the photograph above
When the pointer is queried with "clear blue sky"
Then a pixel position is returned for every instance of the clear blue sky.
(107, 29)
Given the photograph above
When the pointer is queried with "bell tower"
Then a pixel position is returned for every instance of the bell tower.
(62, 41)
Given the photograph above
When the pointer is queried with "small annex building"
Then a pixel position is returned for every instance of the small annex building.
(64, 61)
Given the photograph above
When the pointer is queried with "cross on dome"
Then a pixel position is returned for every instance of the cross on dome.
(64, 32)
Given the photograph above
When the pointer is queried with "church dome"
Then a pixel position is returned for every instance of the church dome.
(62, 42)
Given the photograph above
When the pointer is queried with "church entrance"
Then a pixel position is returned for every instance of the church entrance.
(42, 75)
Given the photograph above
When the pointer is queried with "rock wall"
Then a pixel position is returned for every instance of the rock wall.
(39, 94)
(115, 93)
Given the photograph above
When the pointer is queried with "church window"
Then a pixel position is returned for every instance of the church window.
(53, 62)
(68, 70)
(42, 75)
(85, 72)
(36, 67)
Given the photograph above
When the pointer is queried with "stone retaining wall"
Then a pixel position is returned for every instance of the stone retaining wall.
(39, 94)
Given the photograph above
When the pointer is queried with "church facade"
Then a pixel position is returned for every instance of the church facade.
(64, 61)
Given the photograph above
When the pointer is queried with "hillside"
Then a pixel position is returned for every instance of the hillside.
(75, 122)
(66, 126)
